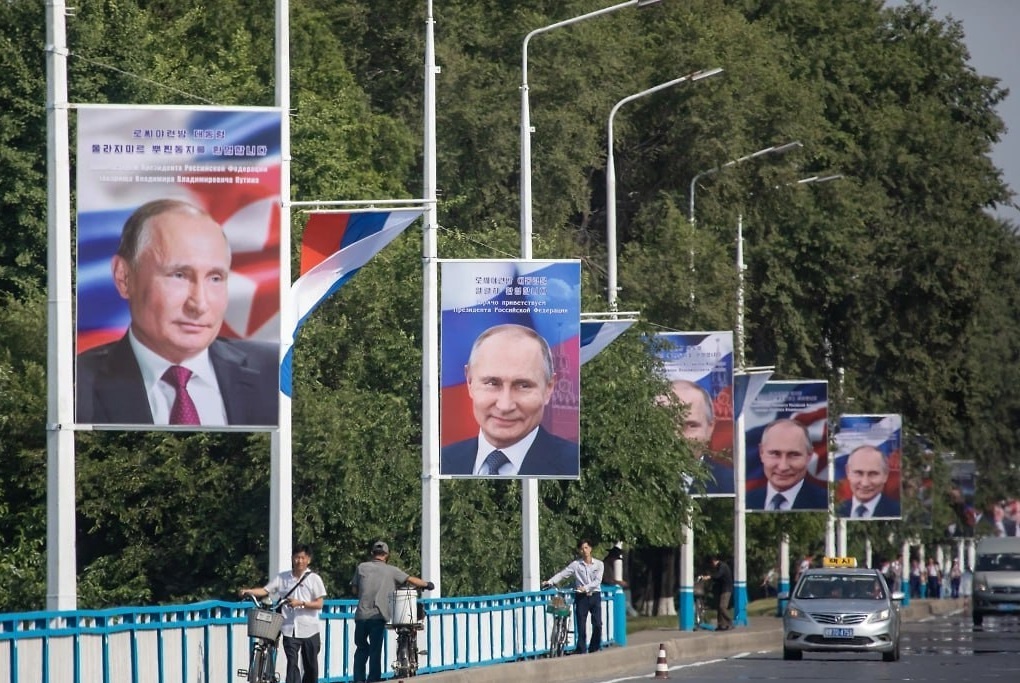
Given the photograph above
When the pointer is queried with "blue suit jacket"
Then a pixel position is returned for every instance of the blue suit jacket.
(811, 497)
(887, 507)
(110, 389)
(549, 456)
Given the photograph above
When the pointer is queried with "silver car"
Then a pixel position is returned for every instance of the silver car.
(842, 610)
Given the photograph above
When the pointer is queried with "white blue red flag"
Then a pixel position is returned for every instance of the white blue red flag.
(597, 335)
(334, 246)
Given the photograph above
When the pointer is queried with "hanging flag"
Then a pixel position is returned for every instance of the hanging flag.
(335, 245)
(597, 335)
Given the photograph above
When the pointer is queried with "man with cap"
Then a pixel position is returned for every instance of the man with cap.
(373, 583)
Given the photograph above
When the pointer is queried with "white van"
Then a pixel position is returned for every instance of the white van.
(996, 578)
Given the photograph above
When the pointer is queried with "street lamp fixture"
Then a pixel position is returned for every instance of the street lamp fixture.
(526, 113)
(780, 149)
(611, 174)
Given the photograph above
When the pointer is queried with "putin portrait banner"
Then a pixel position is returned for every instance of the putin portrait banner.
(786, 438)
(867, 467)
(699, 368)
(510, 352)
(178, 267)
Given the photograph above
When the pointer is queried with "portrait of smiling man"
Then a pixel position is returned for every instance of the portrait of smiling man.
(785, 452)
(171, 367)
(867, 472)
(510, 380)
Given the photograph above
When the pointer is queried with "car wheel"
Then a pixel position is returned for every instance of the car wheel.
(978, 618)
(893, 655)
(793, 655)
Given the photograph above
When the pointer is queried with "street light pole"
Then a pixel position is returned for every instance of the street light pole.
(526, 113)
(611, 174)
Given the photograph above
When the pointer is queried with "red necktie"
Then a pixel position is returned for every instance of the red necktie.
(183, 411)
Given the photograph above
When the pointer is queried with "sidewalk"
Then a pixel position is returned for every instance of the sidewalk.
(761, 633)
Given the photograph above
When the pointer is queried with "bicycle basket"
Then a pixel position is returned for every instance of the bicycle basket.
(702, 588)
(264, 623)
(558, 606)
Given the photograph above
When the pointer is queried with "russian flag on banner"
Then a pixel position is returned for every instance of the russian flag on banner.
(595, 336)
(805, 402)
(335, 245)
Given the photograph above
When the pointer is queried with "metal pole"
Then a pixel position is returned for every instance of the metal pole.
(611, 175)
(61, 557)
(526, 112)
(739, 456)
(281, 486)
(531, 577)
(430, 540)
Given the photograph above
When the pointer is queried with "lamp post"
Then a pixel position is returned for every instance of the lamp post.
(531, 578)
(611, 173)
(526, 113)
(739, 450)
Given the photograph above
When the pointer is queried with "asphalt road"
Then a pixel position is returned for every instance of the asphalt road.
(935, 630)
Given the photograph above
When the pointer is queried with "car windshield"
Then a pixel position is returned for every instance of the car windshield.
(837, 587)
(1001, 562)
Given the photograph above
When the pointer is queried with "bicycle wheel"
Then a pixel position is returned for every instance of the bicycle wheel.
(402, 667)
(559, 637)
(258, 658)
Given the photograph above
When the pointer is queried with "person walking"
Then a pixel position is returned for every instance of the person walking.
(722, 590)
(587, 574)
(304, 592)
(373, 582)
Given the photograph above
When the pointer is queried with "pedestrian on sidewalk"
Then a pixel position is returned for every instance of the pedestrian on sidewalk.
(722, 589)
(587, 574)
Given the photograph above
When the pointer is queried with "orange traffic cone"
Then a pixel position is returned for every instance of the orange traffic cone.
(661, 668)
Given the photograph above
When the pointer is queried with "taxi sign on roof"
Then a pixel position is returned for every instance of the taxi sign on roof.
(839, 561)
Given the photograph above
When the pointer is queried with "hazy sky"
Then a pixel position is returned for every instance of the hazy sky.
(991, 28)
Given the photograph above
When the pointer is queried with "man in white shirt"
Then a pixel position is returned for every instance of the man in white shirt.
(305, 593)
(587, 574)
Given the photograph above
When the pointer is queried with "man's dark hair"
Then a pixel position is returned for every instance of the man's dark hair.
(301, 548)
(583, 541)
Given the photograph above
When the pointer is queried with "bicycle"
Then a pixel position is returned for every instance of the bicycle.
(264, 626)
(559, 606)
(702, 585)
(407, 617)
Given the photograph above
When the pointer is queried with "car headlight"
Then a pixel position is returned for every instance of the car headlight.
(882, 615)
(795, 612)
(981, 585)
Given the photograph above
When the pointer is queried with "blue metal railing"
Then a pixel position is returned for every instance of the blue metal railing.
(208, 641)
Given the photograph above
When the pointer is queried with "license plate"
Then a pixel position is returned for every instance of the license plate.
(839, 633)
(1008, 606)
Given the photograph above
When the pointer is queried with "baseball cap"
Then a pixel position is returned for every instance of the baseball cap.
(381, 547)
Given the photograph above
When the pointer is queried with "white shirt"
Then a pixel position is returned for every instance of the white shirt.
(587, 577)
(515, 454)
(203, 387)
(789, 494)
(298, 622)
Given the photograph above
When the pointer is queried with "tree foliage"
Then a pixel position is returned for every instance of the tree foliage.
(892, 282)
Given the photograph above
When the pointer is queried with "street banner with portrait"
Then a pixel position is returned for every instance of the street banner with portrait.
(699, 368)
(868, 466)
(786, 440)
(178, 267)
(510, 352)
